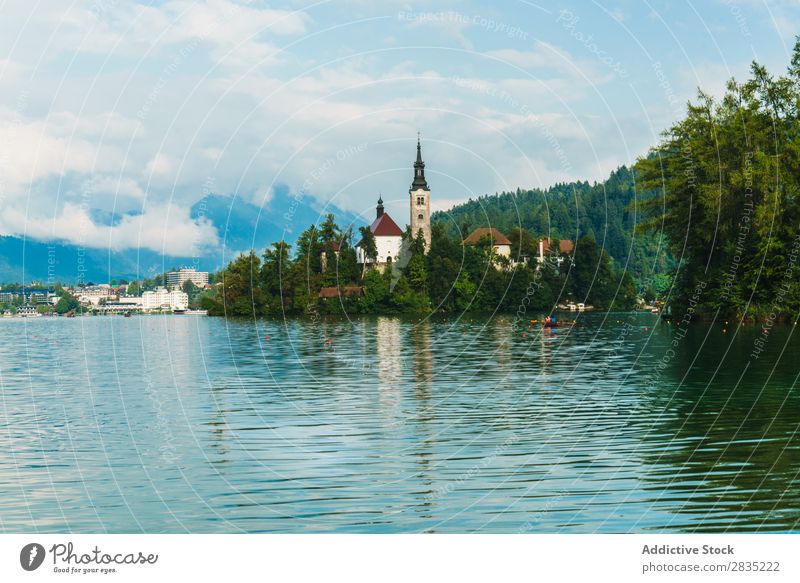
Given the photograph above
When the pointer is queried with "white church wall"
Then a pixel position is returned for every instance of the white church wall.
(386, 247)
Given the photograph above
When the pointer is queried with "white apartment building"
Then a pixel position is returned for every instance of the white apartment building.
(94, 293)
(164, 299)
(176, 279)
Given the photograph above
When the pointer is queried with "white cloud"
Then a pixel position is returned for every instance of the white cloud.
(163, 228)
(28, 152)
(159, 164)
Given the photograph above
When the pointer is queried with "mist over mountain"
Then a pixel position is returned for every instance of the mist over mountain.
(240, 224)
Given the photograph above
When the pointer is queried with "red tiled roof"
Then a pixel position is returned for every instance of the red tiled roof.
(565, 246)
(384, 226)
(496, 236)
(348, 291)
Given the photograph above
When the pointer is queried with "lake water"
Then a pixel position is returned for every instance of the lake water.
(196, 424)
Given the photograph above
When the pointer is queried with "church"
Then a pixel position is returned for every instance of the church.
(388, 235)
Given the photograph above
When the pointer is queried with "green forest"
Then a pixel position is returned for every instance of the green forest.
(605, 212)
(448, 277)
(725, 181)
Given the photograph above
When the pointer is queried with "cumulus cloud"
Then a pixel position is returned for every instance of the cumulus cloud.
(164, 228)
(159, 164)
(28, 152)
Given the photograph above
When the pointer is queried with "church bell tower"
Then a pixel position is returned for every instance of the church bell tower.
(420, 201)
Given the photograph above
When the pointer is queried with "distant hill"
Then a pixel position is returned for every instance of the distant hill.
(26, 260)
(570, 211)
(240, 225)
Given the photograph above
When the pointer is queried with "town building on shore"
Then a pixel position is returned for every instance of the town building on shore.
(546, 247)
(27, 295)
(501, 245)
(164, 299)
(94, 294)
(176, 279)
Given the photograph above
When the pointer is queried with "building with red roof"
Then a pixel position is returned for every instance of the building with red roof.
(388, 235)
(388, 238)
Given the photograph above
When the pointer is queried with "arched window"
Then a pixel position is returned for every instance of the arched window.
(388, 259)
(419, 217)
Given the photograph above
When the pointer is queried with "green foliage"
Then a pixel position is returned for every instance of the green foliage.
(192, 291)
(67, 303)
(726, 179)
(448, 277)
(607, 212)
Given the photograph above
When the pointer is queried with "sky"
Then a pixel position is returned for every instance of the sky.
(141, 109)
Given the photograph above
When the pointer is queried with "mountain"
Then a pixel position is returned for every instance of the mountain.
(27, 260)
(571, 210)
(240, 225)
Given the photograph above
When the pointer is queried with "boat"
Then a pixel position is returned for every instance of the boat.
(196, 312)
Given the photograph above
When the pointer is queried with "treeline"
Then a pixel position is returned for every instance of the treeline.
(606, 212)
(450, 277)
(727, 180)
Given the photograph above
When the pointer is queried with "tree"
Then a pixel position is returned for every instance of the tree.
(192, 291)
(591, 277)
(241, 294)
(67, 303)
(368, 247)
(275, 281)
(726, 179)
(522, 244)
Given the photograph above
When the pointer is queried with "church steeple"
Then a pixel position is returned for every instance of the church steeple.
(419, 170)
(379, 208)
(420, 201)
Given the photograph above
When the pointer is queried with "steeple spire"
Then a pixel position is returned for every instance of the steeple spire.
(379, 208)
(419, 170)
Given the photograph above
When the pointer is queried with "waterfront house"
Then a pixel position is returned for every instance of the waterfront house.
(546, 247)
(164, 299)
(28, 311)
(348, 291)
(501, 245)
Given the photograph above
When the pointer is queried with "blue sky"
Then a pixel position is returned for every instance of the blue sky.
(144, 108)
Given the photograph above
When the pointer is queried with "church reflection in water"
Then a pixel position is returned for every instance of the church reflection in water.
(389, 364)
(405, 376)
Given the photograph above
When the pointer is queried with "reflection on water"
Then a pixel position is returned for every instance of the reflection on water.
(173, 424)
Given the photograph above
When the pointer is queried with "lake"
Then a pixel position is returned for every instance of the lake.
(620, 423)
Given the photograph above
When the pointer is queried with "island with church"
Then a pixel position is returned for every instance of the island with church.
(422, 268)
